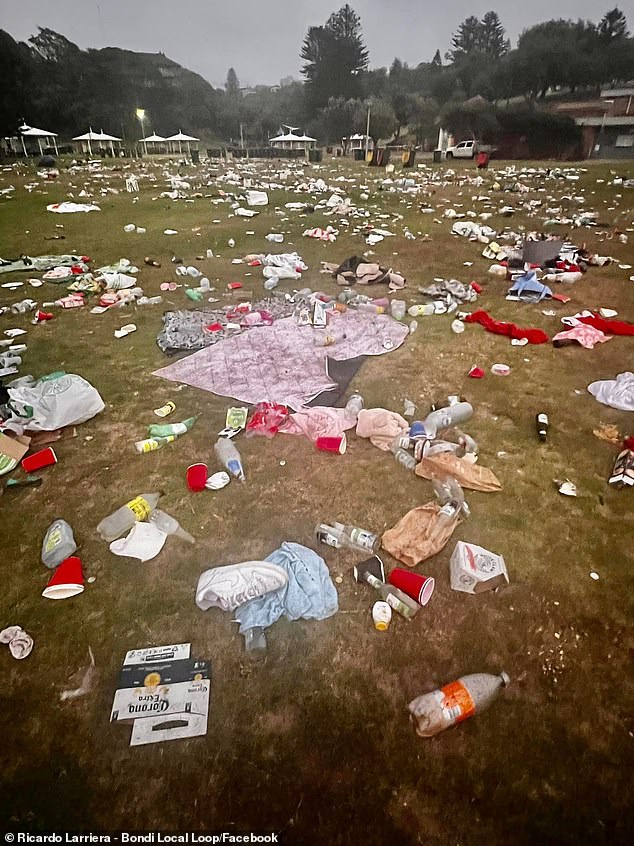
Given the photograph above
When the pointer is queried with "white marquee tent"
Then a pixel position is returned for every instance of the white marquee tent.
(39, 134)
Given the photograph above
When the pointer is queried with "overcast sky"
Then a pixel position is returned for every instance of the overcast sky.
(262, 38)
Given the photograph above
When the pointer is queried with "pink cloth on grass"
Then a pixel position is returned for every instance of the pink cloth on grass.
(285, 362)
(319, 422)
(381, 426)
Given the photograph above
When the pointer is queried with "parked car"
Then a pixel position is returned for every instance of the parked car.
(463, 150)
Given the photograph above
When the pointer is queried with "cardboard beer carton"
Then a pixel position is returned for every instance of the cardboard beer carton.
(474, 569)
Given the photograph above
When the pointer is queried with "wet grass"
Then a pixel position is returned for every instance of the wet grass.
(316, 742)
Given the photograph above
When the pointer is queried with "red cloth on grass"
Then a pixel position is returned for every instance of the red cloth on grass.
(610, 327)
(535, 336)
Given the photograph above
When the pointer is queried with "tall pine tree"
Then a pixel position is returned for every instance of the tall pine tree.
(613, 25)
(334, 58)
(491, 38)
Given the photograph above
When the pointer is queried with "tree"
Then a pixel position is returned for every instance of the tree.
(437, 60)
(491, 36)
(334, 58)
(232, 85)
(467, 38)
(613, 25)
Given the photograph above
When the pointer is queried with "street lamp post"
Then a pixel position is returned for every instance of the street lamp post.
(140, 113)
(367, 133)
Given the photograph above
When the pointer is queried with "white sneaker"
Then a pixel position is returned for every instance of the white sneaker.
(234, 584)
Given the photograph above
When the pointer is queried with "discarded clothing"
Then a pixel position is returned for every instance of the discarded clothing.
(529, 289)
(610, 327)
(356, 270)
(309, 593)
(319, 422)
(144, 541)
(419, 534)
(468, 475)
(39, 264)
(585, 335)
(283, 363)
(451, 290)
(71, 208)
(617, 393)
(381, 426)
(534, 336)
(190, 330)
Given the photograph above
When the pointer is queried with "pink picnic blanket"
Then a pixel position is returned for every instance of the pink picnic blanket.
(285, 362)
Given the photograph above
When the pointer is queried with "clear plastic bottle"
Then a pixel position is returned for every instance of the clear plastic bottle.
(402, 456)
(434, 712)
(355, 404)
(59, 543)
(124, 518)
(170, 525)
(163, 430)
(443, 418)
(255, 642)
(339, 535)
(395, 598)
(151, 444)
(229, 457)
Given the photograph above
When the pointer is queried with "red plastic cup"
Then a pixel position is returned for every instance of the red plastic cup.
(196, 477)
(418, 587)
(336, 444)
(66, 581)
(476, 373)
(38, 460)
(41, 316)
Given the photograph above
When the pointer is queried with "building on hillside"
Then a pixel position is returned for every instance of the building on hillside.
(607, 123)
(353, 143)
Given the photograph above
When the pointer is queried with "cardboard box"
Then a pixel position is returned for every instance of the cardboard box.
(173, 652)
(166, 700)
(474, 569)
(12, 450)
(158, 729)
(167, 672)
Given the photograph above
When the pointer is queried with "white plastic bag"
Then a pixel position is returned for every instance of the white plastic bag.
(53, 402)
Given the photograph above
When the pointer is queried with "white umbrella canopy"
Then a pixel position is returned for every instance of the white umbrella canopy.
(96, 136)
(34, 132)
(180, 137)
(154, 138)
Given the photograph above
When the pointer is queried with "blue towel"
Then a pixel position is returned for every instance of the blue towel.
(308, 594)
(528, 287)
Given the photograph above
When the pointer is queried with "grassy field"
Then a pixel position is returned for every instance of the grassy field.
(315, 741)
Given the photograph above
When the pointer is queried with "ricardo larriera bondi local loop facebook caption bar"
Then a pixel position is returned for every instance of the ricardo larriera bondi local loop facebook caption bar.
(217, 837)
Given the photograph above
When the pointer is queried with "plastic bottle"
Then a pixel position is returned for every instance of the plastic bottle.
(151, 444)
(434, 712)
(541, 420)
(229, 457)
(443, 418)
(170, 525)
(339, 535)
(150, 300)
(124, 518)
(355, 404)
(402, 456)
(271, 283)
(58, 543)
(163, 430)
(395, 598)
(255, 641)
(397, 309)
(420, 310)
